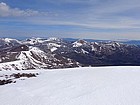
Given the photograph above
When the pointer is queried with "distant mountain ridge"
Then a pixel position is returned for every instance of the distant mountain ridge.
(56, 53)
(130, 42)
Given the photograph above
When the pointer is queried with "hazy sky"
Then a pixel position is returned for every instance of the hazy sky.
(96, 19)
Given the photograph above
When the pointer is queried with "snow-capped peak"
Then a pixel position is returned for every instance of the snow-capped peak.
(54, 39)
(28, 54)
(53, 46)
(33, 41)
(79, 43)
(10, 40)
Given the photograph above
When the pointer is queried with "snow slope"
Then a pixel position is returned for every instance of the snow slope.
(76, 86)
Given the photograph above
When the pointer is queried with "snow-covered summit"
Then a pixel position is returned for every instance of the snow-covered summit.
(33, 41)
(9, 41)
(79, 43)
(54, 39)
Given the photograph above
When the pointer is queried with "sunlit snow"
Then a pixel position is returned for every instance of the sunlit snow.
(75, 86)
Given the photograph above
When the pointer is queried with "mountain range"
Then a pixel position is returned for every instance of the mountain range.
(53, 53)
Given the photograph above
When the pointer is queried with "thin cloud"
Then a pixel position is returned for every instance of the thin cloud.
(7, 11)
(121, 23)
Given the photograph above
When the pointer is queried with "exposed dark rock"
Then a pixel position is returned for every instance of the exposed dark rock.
(3, 82)
(19, 75)
(19, 48)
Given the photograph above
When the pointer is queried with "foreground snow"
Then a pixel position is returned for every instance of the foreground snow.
(78, 86)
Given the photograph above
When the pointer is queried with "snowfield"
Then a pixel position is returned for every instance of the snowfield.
(75, 86)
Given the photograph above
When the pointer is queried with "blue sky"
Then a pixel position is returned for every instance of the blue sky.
(95, 19)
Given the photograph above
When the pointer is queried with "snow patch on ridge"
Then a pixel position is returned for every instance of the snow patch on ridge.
(76, 44)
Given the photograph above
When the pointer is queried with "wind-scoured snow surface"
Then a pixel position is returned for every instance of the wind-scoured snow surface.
(76, 86)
